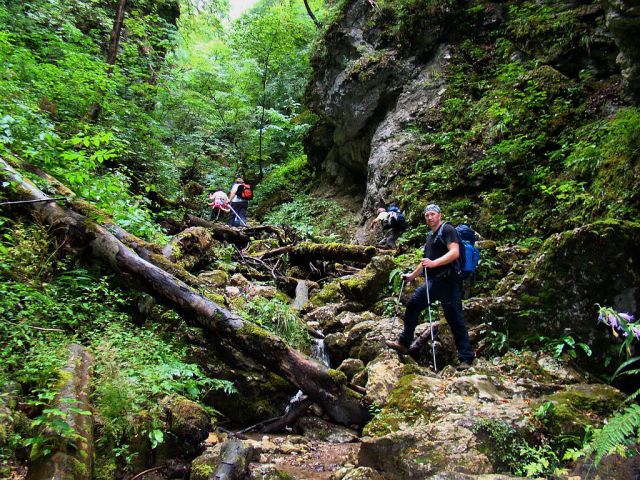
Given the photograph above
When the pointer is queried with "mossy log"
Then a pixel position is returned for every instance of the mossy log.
(321, 384)
(340, 252)
(234, 460)
(220, 231)
(72, 457)
(189, 248)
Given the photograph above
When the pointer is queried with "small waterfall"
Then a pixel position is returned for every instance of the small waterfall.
(319, 352)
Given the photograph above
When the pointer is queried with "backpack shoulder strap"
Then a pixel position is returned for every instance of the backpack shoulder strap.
(439, 234)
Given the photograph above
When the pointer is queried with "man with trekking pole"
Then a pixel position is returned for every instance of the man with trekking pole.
(442, 282)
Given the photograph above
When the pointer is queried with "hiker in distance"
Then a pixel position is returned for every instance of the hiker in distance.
(239, 198)
(393, 224)
(439, 259)
(219, 203)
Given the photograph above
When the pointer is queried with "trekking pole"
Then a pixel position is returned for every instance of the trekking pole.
(395, 317)
(237, 216)
(433, 345)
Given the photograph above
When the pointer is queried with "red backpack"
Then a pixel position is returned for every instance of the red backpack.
(244, 191)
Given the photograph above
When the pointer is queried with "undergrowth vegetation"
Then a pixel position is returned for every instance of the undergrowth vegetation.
(527, 140)
(47, 303)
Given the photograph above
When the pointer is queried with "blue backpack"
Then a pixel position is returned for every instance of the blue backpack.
(469, 253)
(396, 219)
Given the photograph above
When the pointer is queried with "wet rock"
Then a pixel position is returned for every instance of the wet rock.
(187, 420)
(317, 429)
(268, 471)
(363, 473)
(203, 466)
(351, 366)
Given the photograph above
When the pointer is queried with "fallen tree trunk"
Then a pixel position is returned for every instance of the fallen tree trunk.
(73, 456)
(326, 387)
(306, 252)
(219, 231)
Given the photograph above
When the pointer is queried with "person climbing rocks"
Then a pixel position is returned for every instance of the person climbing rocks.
(441, 251)
(393, 224)
(219, 203)
(239, 198)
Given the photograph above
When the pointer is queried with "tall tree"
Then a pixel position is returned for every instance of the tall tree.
(116, 32)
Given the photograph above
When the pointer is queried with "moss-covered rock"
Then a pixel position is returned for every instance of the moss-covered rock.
(203, 466)
(216, 278)
(574, 408)
(351, 366)
(186, 419)
(407, 403)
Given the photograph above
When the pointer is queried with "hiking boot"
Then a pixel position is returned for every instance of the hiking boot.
(462, 366)
(398, 347)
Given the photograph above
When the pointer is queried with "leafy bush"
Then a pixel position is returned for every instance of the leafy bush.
(278, 317)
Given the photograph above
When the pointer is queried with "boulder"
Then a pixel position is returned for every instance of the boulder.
(186, 419)
(444, 427)
(382, 376)
(578, 406)
(351, 366)
(216, 278)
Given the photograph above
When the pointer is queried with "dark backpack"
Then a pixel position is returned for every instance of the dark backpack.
(467, 262)
(245, 192)
(396, 218)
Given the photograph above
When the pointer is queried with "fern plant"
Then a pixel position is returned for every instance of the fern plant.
(622, 429)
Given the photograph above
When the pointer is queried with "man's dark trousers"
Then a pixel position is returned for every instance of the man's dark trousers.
(449, 293)
(236, 219)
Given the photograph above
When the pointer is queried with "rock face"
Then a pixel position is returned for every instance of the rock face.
(623, 19)
(575, 270)
(367, 89)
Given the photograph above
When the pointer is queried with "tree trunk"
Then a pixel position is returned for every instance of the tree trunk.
(73, 457)
(326, 387)
(115, 33)
(305, 252)
(220, 231)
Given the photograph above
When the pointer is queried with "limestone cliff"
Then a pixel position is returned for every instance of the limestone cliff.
(476, 104)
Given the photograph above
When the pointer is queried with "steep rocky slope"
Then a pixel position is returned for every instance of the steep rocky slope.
(516, 117)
